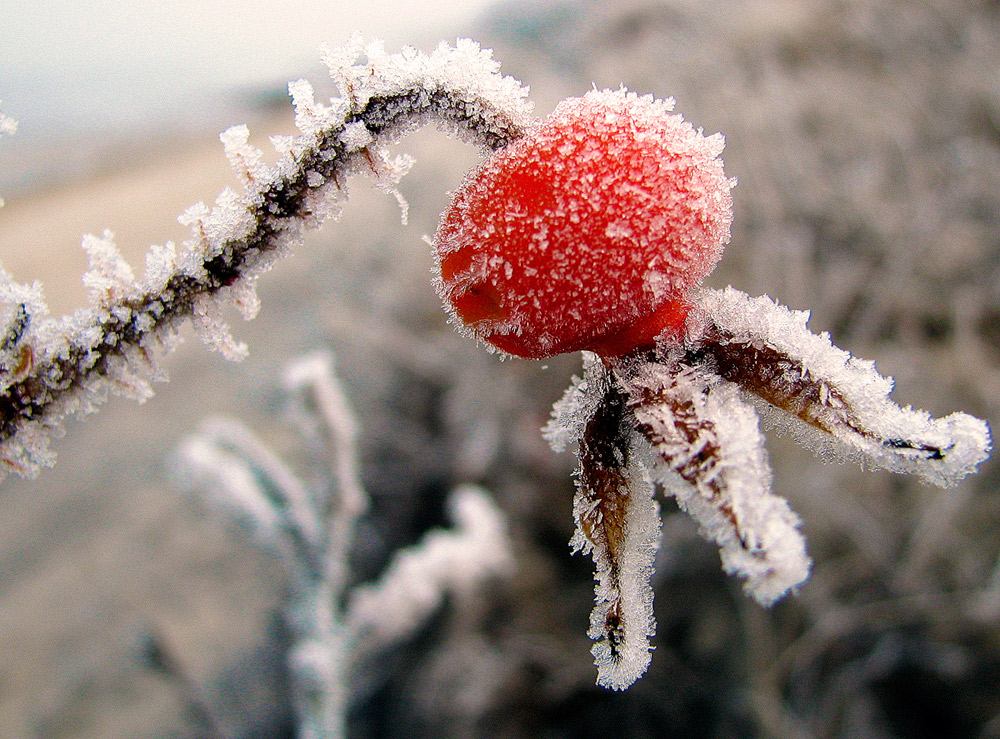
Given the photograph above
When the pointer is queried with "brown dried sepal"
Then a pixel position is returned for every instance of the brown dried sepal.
(783, 381)
(603, 500)
(685, 440)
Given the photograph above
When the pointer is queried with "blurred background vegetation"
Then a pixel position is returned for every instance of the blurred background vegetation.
(865, 136)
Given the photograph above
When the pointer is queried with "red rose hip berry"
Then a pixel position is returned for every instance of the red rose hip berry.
(588, 232)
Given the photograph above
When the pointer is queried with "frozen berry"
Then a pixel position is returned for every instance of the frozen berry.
(588, 232)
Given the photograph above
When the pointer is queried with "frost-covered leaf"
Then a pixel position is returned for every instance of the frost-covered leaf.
(618, 524)
(708, 452)
(830, 400)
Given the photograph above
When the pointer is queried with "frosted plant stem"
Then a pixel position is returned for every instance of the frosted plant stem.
(75, 361)
(322, 410)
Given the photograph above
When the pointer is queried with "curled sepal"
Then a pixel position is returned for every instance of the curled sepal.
(618, 524)
(708, 452)
(835, 402)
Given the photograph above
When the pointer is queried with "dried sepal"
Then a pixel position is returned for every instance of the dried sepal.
(708, 452)
(842, 402)
(618, 524)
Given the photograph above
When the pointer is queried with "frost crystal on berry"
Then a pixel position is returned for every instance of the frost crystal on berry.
(588, 232)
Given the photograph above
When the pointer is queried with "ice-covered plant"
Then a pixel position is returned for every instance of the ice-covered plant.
(336, 627)
(591, 230)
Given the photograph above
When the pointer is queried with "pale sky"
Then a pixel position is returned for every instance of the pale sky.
(73, 58)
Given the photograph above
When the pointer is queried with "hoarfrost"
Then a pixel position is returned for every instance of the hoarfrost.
(310, 116)
(356, 136)
(335, 625)
(571, 412)
(454, 560)
(205, 465)
(674, 417)
(110, 277)
(56, 365)
(708, 452)
(31, 297)
(161, 261)
(824, 388)
(246, 160)
(206, 316)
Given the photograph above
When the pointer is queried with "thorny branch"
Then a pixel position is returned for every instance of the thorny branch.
(67, 366)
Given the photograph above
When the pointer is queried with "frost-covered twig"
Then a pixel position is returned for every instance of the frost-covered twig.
(311, 528)
(68, 365)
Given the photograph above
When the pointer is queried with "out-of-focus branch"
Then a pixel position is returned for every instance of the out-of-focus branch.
(336, 628)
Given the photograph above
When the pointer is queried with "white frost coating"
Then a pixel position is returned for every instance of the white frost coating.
(161, 261)
(336, 627)
(571, 412)
(886, 435)
(623, 587)
(273, 492)
(623, 584)
(465, 67)
(14, 294)
(110, 277)
(320, 409)
(310, 116)
(214, 331)
(246, 160)
(244, 296)
(202, 465)
(417, 579)
(722, 478)
(57, 364)
(323, 414)
(356, 136)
